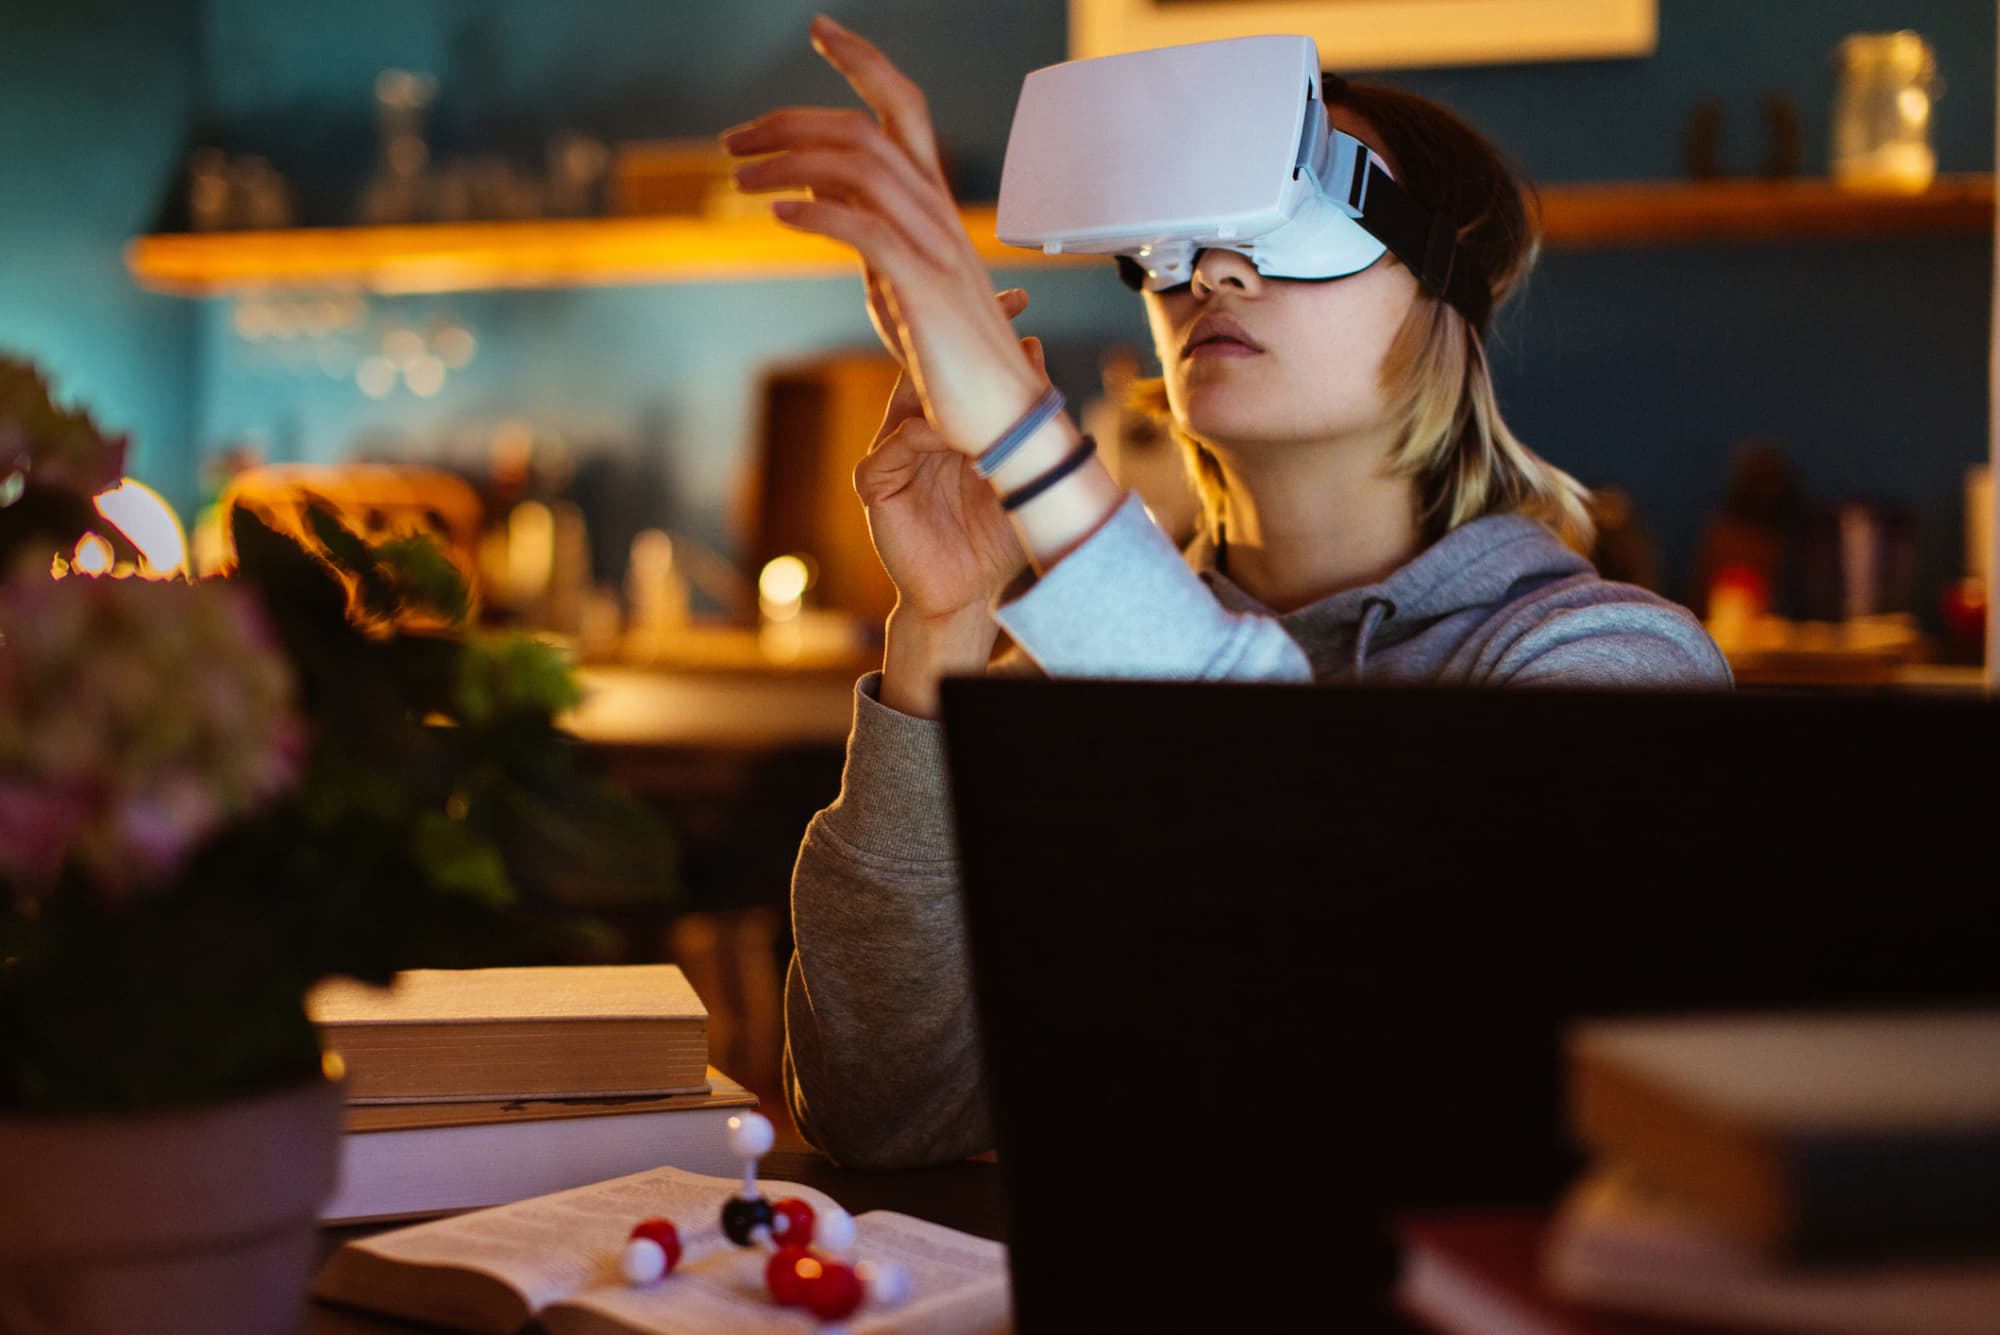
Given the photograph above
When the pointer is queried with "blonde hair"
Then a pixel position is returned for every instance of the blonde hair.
(1464, 458)
(1455, 447)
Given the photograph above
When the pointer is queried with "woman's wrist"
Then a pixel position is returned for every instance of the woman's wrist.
(1060, 517)
(995, 413)
(1046, 447)
(918, 652)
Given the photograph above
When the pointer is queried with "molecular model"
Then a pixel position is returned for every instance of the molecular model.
(805, 1269)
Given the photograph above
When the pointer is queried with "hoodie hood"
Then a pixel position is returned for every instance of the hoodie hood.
(1472, 569)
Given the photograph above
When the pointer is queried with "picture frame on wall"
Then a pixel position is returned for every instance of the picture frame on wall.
(1380, 34)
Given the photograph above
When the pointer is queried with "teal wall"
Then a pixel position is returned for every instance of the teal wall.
(95, 101)
(1642, 368)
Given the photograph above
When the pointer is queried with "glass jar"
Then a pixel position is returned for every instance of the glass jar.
(1882, 112)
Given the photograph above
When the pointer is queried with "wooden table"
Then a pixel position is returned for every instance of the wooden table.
(964, 1196)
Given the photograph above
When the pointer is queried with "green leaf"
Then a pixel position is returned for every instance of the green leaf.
(457, 860)
(502, 675)
(425, 579)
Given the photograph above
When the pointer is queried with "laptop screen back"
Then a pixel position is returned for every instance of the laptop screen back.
(1260, 966)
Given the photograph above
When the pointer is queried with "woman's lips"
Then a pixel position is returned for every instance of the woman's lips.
(1219, 336)
(1221, 347)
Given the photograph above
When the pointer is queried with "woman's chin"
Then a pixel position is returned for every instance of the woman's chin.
(1229, 417)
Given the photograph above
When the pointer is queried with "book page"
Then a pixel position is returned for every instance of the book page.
(537, 992)
(552, 1246)
(958, 1286)
(402, 1114)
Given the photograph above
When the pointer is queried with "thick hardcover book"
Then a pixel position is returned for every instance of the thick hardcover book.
(1807, 1135)
(1621, 1243)
(407, 1160)
(555, 1260)
(624, 1030)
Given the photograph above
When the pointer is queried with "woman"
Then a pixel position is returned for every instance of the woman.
(1369, 516)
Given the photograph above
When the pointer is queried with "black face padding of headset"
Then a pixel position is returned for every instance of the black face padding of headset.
(1131, 272)
(1425, 241)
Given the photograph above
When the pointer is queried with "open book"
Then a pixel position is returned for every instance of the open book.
(556, 1259)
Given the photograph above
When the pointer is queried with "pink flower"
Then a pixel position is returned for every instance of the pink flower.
(136, 720)
(152, 831)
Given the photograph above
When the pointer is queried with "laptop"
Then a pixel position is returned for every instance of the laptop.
(1261, 966)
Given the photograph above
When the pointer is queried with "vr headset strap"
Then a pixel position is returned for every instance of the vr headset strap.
(1426, 242)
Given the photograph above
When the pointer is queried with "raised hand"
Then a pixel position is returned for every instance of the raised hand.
(877, 186)
(936, 524)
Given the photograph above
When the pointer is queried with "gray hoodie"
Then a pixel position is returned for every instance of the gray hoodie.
(882, 1064)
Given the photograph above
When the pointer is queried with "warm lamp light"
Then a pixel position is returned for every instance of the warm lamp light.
(144, 516)
(531, 550)
(93, 556)
(781, 596)
(782, 587)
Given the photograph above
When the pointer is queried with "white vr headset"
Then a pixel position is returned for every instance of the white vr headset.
(1156, 156)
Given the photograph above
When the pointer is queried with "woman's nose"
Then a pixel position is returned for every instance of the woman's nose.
(1217, 269)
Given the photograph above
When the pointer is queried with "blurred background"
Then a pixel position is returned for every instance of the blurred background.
(473, 264)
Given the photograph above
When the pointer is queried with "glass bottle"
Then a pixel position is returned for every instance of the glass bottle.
(1882, 113)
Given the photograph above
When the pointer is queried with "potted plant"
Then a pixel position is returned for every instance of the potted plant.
(214, 794)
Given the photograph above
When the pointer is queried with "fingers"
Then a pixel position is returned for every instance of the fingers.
(846, 177)
(904, 403)
(803, 127)
(889, 93)
(1033, 347)
(882, 245)
(892, 463)
(800, 129)
(1012, 302)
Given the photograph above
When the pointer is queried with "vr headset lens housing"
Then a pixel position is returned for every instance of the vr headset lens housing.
(1156, 156)
(1322, 239)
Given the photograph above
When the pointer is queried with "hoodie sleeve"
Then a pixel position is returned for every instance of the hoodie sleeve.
(1592, 633)
(882, 1066)
(1126, 604)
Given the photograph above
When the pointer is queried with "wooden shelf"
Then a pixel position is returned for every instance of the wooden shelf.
(454, 257)
(458, 257)
(1583, 217)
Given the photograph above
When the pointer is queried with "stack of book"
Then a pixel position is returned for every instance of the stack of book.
(1832, 1174)
(470, 1088)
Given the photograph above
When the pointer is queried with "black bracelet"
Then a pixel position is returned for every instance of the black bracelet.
(1072, 461)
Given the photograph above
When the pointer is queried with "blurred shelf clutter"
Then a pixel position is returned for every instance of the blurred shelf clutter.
(724, 242)
(1828, 594)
